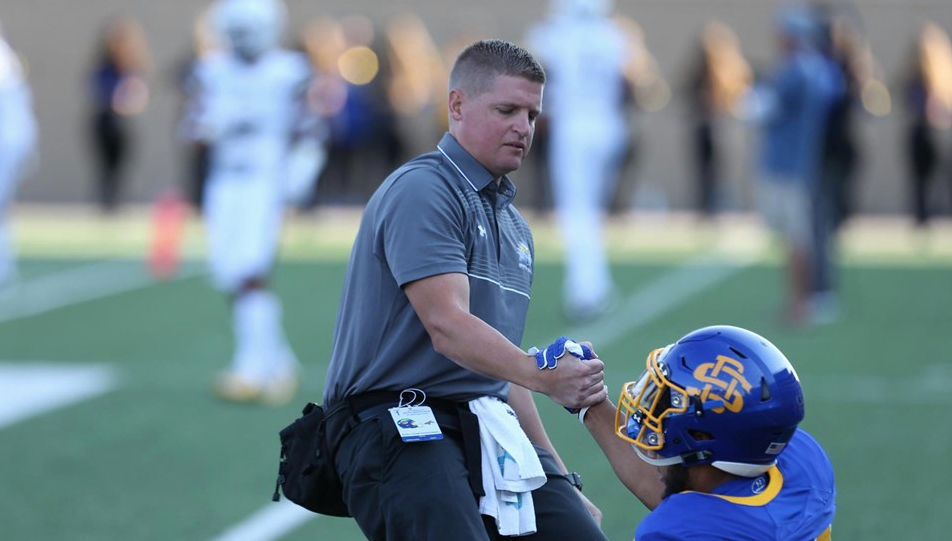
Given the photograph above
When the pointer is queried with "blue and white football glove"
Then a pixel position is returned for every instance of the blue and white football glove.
(549, 357)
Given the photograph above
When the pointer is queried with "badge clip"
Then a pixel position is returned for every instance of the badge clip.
(414, 421)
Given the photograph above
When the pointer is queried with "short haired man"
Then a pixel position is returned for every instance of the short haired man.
(433, 307)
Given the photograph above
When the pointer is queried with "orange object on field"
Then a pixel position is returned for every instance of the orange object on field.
(168, 223)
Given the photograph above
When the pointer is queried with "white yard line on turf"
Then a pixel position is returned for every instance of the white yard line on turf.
(30, 389)
(269, 523)
(666, 293)
(77, 285)
(654, 300)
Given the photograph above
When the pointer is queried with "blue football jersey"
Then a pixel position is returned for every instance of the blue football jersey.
(793, 501)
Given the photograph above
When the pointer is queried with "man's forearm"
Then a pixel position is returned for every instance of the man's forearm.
(478, 347)
(442, 303)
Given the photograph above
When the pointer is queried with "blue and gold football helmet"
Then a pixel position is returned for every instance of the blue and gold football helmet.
(721, 395)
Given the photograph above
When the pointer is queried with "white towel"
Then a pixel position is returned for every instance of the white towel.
(511, 468)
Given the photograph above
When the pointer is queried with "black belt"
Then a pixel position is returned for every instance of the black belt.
(345, 415)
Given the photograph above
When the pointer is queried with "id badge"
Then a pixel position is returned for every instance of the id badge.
(416, 423)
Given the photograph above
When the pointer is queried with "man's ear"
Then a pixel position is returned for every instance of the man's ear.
(455, 104)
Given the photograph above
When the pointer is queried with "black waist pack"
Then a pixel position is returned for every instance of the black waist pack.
(306, 473)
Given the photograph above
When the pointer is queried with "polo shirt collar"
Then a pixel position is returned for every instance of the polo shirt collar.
(473, 174)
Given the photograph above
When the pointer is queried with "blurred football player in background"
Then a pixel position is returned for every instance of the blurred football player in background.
(585, 54)
(250, 108)
(18, 138)
(708, 439)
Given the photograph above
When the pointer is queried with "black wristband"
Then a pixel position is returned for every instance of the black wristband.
(575, 479)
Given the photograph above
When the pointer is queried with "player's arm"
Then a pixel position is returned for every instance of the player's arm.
(307, 151)
(308, 122)
(641, 478)
(194, 124)
(442, 304)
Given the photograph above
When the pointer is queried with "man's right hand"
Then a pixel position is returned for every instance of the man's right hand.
(576, 383)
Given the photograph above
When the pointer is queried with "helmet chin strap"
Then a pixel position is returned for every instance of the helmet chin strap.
(670, 461)
(688, 459)
(694, 457)
(741, 469)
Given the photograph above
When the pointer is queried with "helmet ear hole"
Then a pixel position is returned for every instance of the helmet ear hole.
(700, 435)
(764, 390)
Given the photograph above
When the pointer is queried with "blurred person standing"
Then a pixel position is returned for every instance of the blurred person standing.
(863, 92)
(376, 144)
(250, 109)
(719, 78)
(793, 106)
(585, 55)
(928, 100)
(418, 75)
(364, 141)
(323, 42)
(855, 74)
(646, 92)
(18, 139)
(118, 92)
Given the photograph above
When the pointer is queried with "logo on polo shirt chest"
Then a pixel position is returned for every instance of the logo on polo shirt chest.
(525, 257)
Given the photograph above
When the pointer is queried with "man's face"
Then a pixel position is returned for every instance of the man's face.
(497, 126)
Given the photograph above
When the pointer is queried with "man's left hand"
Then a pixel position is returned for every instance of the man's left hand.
(592, 510)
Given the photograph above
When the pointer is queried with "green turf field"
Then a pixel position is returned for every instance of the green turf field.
(157, 457)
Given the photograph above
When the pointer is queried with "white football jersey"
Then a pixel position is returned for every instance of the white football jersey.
(584, 60)
(18, 130)
(250, 112)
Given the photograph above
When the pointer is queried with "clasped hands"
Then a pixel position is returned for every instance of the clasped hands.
(577, 385)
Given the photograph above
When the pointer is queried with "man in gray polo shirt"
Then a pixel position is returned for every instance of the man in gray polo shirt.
(435, 300)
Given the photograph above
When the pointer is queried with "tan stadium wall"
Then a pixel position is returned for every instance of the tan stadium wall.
(57, 39)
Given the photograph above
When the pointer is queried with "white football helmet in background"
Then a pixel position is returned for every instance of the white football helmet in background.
(251, 27)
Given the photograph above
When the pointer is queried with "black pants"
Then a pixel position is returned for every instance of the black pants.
(923, 159)
(111, 146)
(421, 491)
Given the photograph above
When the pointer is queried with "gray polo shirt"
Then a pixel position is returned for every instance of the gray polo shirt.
(439, 213)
